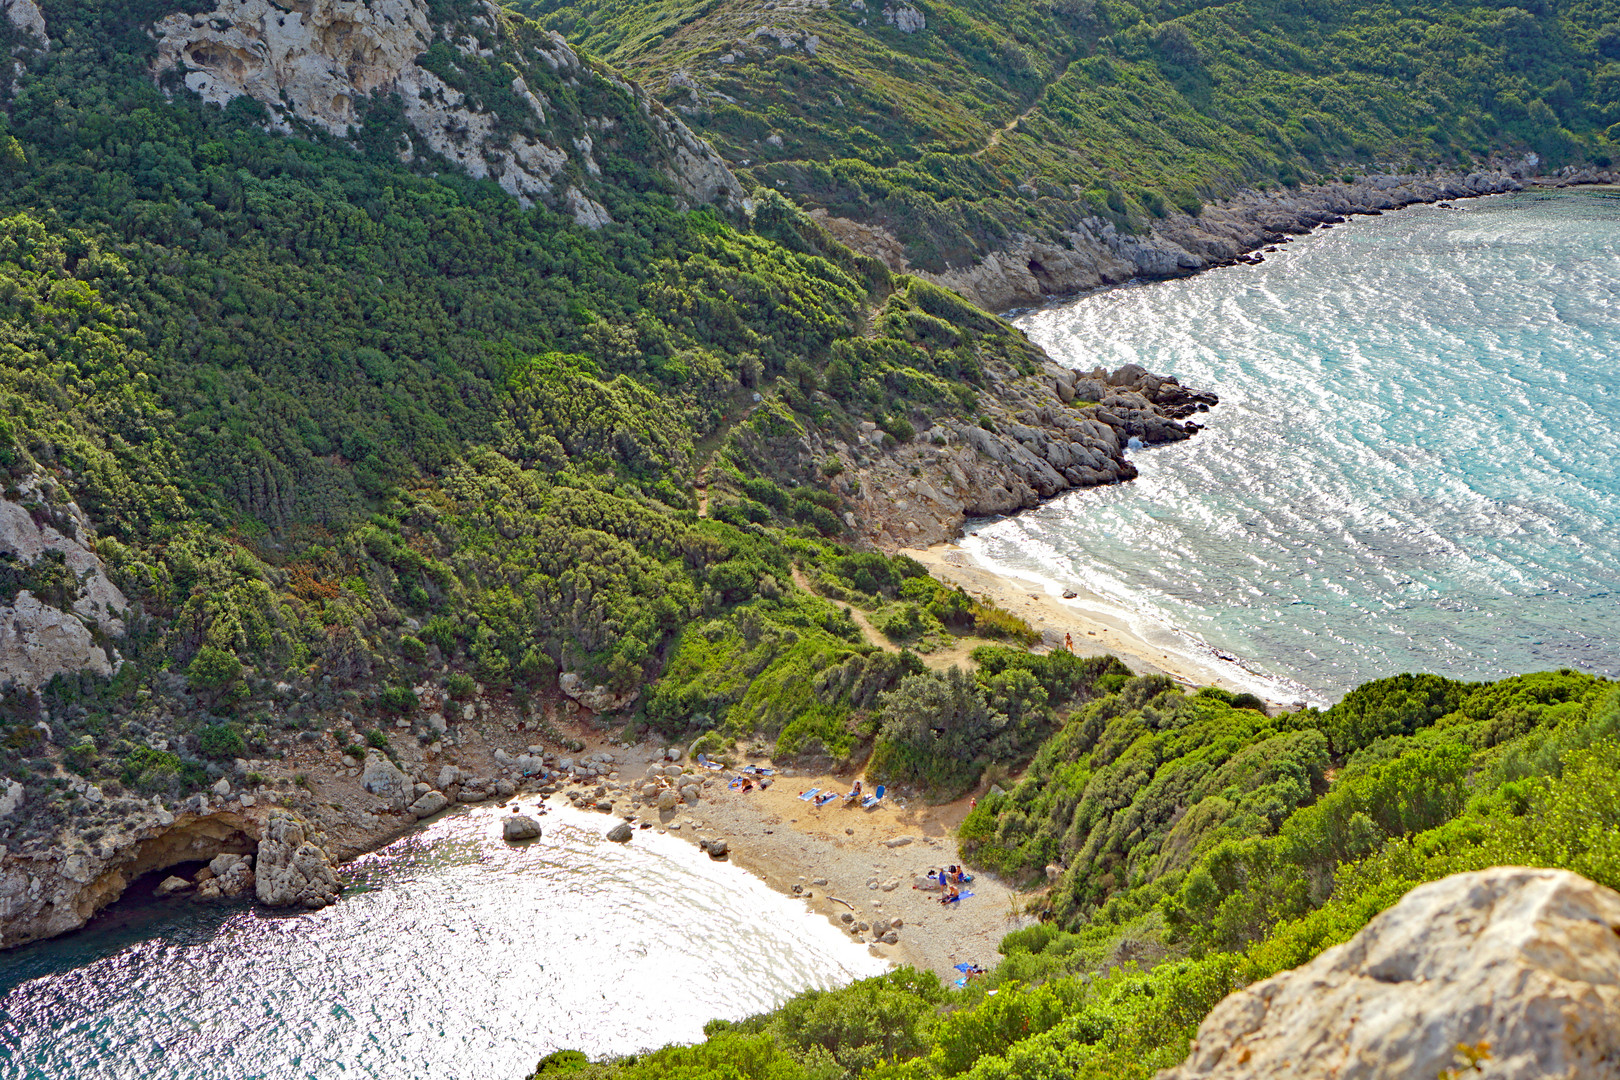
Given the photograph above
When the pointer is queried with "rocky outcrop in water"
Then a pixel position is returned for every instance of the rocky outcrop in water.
(1029, 270)
(292, 869)
(51, 891)
(321, 62)
(1040, 435)
(1520, 966)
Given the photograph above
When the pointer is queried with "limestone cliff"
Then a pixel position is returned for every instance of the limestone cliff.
(1521, 967)
(70, 631)
(484, 91)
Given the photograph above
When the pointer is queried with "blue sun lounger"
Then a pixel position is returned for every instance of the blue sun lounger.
(873, 799)
(704, 763)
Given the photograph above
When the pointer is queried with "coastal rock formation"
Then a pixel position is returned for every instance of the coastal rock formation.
(1041, 435)
(1523, 965)
(320, 62)
(54, 541)
(292, 869)
(384, 780)
(231, 875)
(429, 803)
(49, 892)
(1028, 270)
(520, 827)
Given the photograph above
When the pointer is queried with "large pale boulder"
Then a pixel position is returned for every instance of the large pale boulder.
(1525, 962)
(428, 804)
(598, 699)
(292, 869)
(385, 781)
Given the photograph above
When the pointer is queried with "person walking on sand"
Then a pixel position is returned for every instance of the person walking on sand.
(1068, 642)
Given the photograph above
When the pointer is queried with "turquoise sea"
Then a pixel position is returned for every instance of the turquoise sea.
(1415, 465)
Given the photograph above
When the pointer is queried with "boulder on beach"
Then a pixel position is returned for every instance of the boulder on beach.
(430, 803)
(620, 833)
(718, 848)
(520, 827)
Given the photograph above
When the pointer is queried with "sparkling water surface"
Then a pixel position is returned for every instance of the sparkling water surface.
(453, 955)
(1415, 465)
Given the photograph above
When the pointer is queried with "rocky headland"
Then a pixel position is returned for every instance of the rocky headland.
(1506, 972)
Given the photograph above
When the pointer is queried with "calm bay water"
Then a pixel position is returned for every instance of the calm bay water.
(1415, 465)
(454, 955)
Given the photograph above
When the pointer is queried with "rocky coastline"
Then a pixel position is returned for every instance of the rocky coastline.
(1028, 270)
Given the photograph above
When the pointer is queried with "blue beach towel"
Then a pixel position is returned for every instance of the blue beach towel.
(808, 795)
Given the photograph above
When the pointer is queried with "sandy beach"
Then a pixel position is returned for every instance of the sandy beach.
(840, 860)
(1097, 626)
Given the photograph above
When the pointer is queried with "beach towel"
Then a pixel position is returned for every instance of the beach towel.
(955, 899)
(736, 782)
(704, 763)
(757, 770)
(823, 800)
(806, 796)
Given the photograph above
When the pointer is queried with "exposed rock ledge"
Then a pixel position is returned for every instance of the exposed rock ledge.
(1030, 271)
(39, 641)
(57, 891)
(1048, 433)
(317, 60)
(1520, 965)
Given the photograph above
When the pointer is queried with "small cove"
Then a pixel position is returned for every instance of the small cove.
(453, 954)
(1415, 465)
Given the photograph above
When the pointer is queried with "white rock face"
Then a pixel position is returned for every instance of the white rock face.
(316, 61)
(38, 642)
(904, 18)
(291, 868)
(26, 16)
(11, 798)
(1526, 961)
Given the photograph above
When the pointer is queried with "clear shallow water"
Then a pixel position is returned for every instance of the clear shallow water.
(1415, 465)
(454, 955)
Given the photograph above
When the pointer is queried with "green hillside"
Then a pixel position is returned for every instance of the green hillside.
(1207, 846)
(1031, 115)
(342, 425)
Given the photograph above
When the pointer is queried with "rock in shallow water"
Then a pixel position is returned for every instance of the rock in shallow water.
(1526, 961)
(291, 868)
(520, 827)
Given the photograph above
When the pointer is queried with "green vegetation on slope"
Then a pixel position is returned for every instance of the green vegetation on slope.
(344, 425)
(1030, 115)
(1321, 821)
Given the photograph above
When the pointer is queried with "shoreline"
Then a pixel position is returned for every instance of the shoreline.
(1100, 626)
(1229, 232)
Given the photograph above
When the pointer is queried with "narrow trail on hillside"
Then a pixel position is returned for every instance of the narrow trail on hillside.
(1005, 129)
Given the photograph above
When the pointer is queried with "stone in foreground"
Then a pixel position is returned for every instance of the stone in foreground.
(620, 833)
(520, 827)
(1524, 961)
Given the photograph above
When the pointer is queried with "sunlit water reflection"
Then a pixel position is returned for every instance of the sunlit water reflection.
(453, 955)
